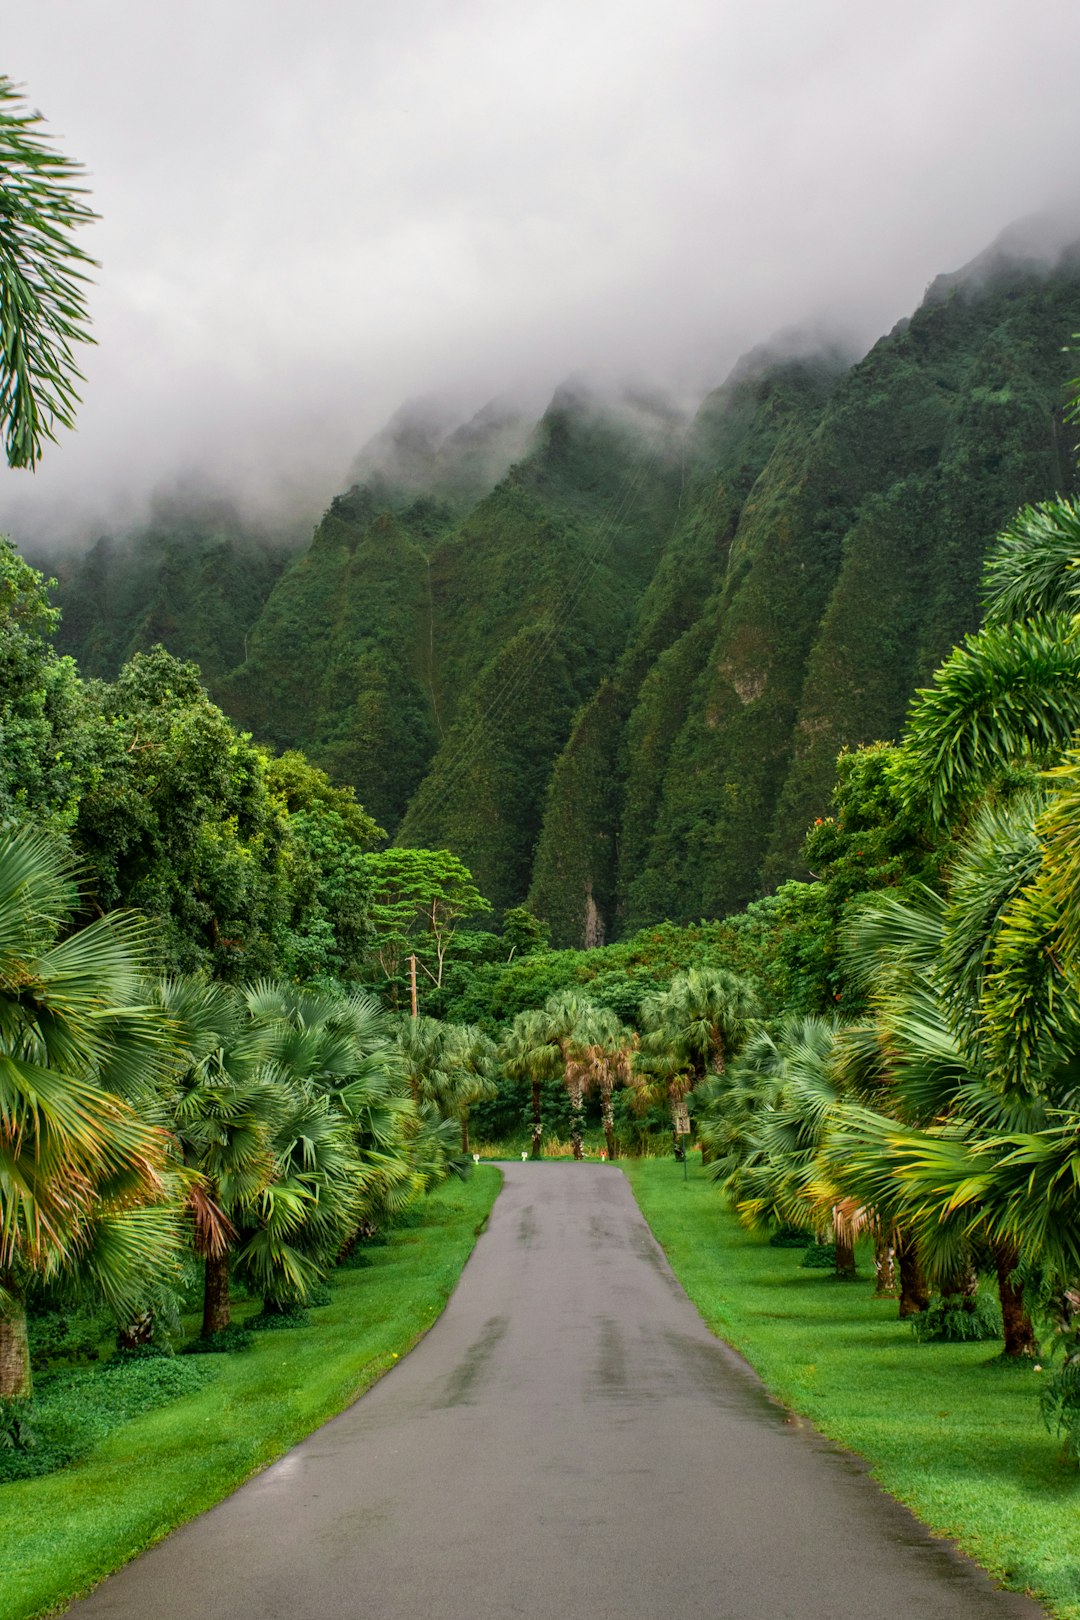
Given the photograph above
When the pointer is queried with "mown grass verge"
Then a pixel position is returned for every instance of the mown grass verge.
(61, 1534)
(951, 1433)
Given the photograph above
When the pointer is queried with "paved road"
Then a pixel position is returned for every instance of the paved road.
(568, 1441)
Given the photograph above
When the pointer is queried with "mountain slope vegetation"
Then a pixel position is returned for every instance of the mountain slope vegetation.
(194, 579)
(847, 569)
(609, 658)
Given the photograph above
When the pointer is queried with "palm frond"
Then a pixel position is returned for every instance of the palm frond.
(1010, 694)
(1032, 568)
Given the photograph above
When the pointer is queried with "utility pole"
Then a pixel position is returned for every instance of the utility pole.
(412, 982)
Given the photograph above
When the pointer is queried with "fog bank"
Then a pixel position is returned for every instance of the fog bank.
(312, 212)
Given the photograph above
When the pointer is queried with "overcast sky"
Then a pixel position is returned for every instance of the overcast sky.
(312, 210)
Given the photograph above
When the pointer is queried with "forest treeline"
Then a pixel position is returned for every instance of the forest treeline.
(608, 659)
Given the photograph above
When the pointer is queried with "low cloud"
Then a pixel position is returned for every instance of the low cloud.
(312, 212)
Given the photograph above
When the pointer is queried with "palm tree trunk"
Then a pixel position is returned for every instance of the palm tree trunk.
(845, 1257)
(608, 1110)
(136, 1333)
(914, 1289)
(577, 1131)
(961, 1284)
(465, 1130)
(537, 1123)
(1019, 1332)
(216, 1313)
(884, 1268)
(15, 1379)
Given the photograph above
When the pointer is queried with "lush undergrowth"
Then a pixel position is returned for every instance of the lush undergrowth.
(62, 1533)
(953, 1434)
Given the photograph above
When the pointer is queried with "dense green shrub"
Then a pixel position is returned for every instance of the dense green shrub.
(71, 1412)
(235, 1337)
(819, 1257)
(958, 1319)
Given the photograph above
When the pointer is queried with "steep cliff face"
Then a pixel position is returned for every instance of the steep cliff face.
(433, 649)
(981, 372)
(533, 598)
(342, 662)
(592, 866)
(337, 662)
(853, 567)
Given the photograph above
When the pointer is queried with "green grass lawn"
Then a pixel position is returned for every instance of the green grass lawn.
(955, 1436)
(60, 1534)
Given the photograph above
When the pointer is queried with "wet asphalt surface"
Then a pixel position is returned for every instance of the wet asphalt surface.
(568, 1441)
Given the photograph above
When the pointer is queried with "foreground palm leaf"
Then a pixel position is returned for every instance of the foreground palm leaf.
(43, 280)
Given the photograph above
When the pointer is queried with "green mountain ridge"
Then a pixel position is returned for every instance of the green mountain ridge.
(195, 578)
(609, 658)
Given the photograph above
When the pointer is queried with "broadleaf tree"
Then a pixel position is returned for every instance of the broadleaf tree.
(419, 897)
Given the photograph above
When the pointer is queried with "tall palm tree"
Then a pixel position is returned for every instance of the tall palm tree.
(610, 1053)
(1010, 695)
(1031, 571)
(85, 1184)
(528, 1052)
(690, 1031)
(921, 1149)
(984, 1034)
(220, 1104)
(571, 1022)
(449, 1066)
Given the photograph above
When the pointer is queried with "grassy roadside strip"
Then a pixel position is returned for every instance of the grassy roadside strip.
(954, 1436)
(61, 1534)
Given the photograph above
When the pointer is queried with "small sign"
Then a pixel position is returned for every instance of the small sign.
(682, 1127)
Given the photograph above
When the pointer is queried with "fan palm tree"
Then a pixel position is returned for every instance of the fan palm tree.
(220, 1105)
(728, 1106)
(690, 1031)
(472, 1067)
(571, 1022)
(777, 1178)
(85, 1183)
(610, 1055)
(449, 1066)
(301, 1219)
(341, 1053)
(528, 1052)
